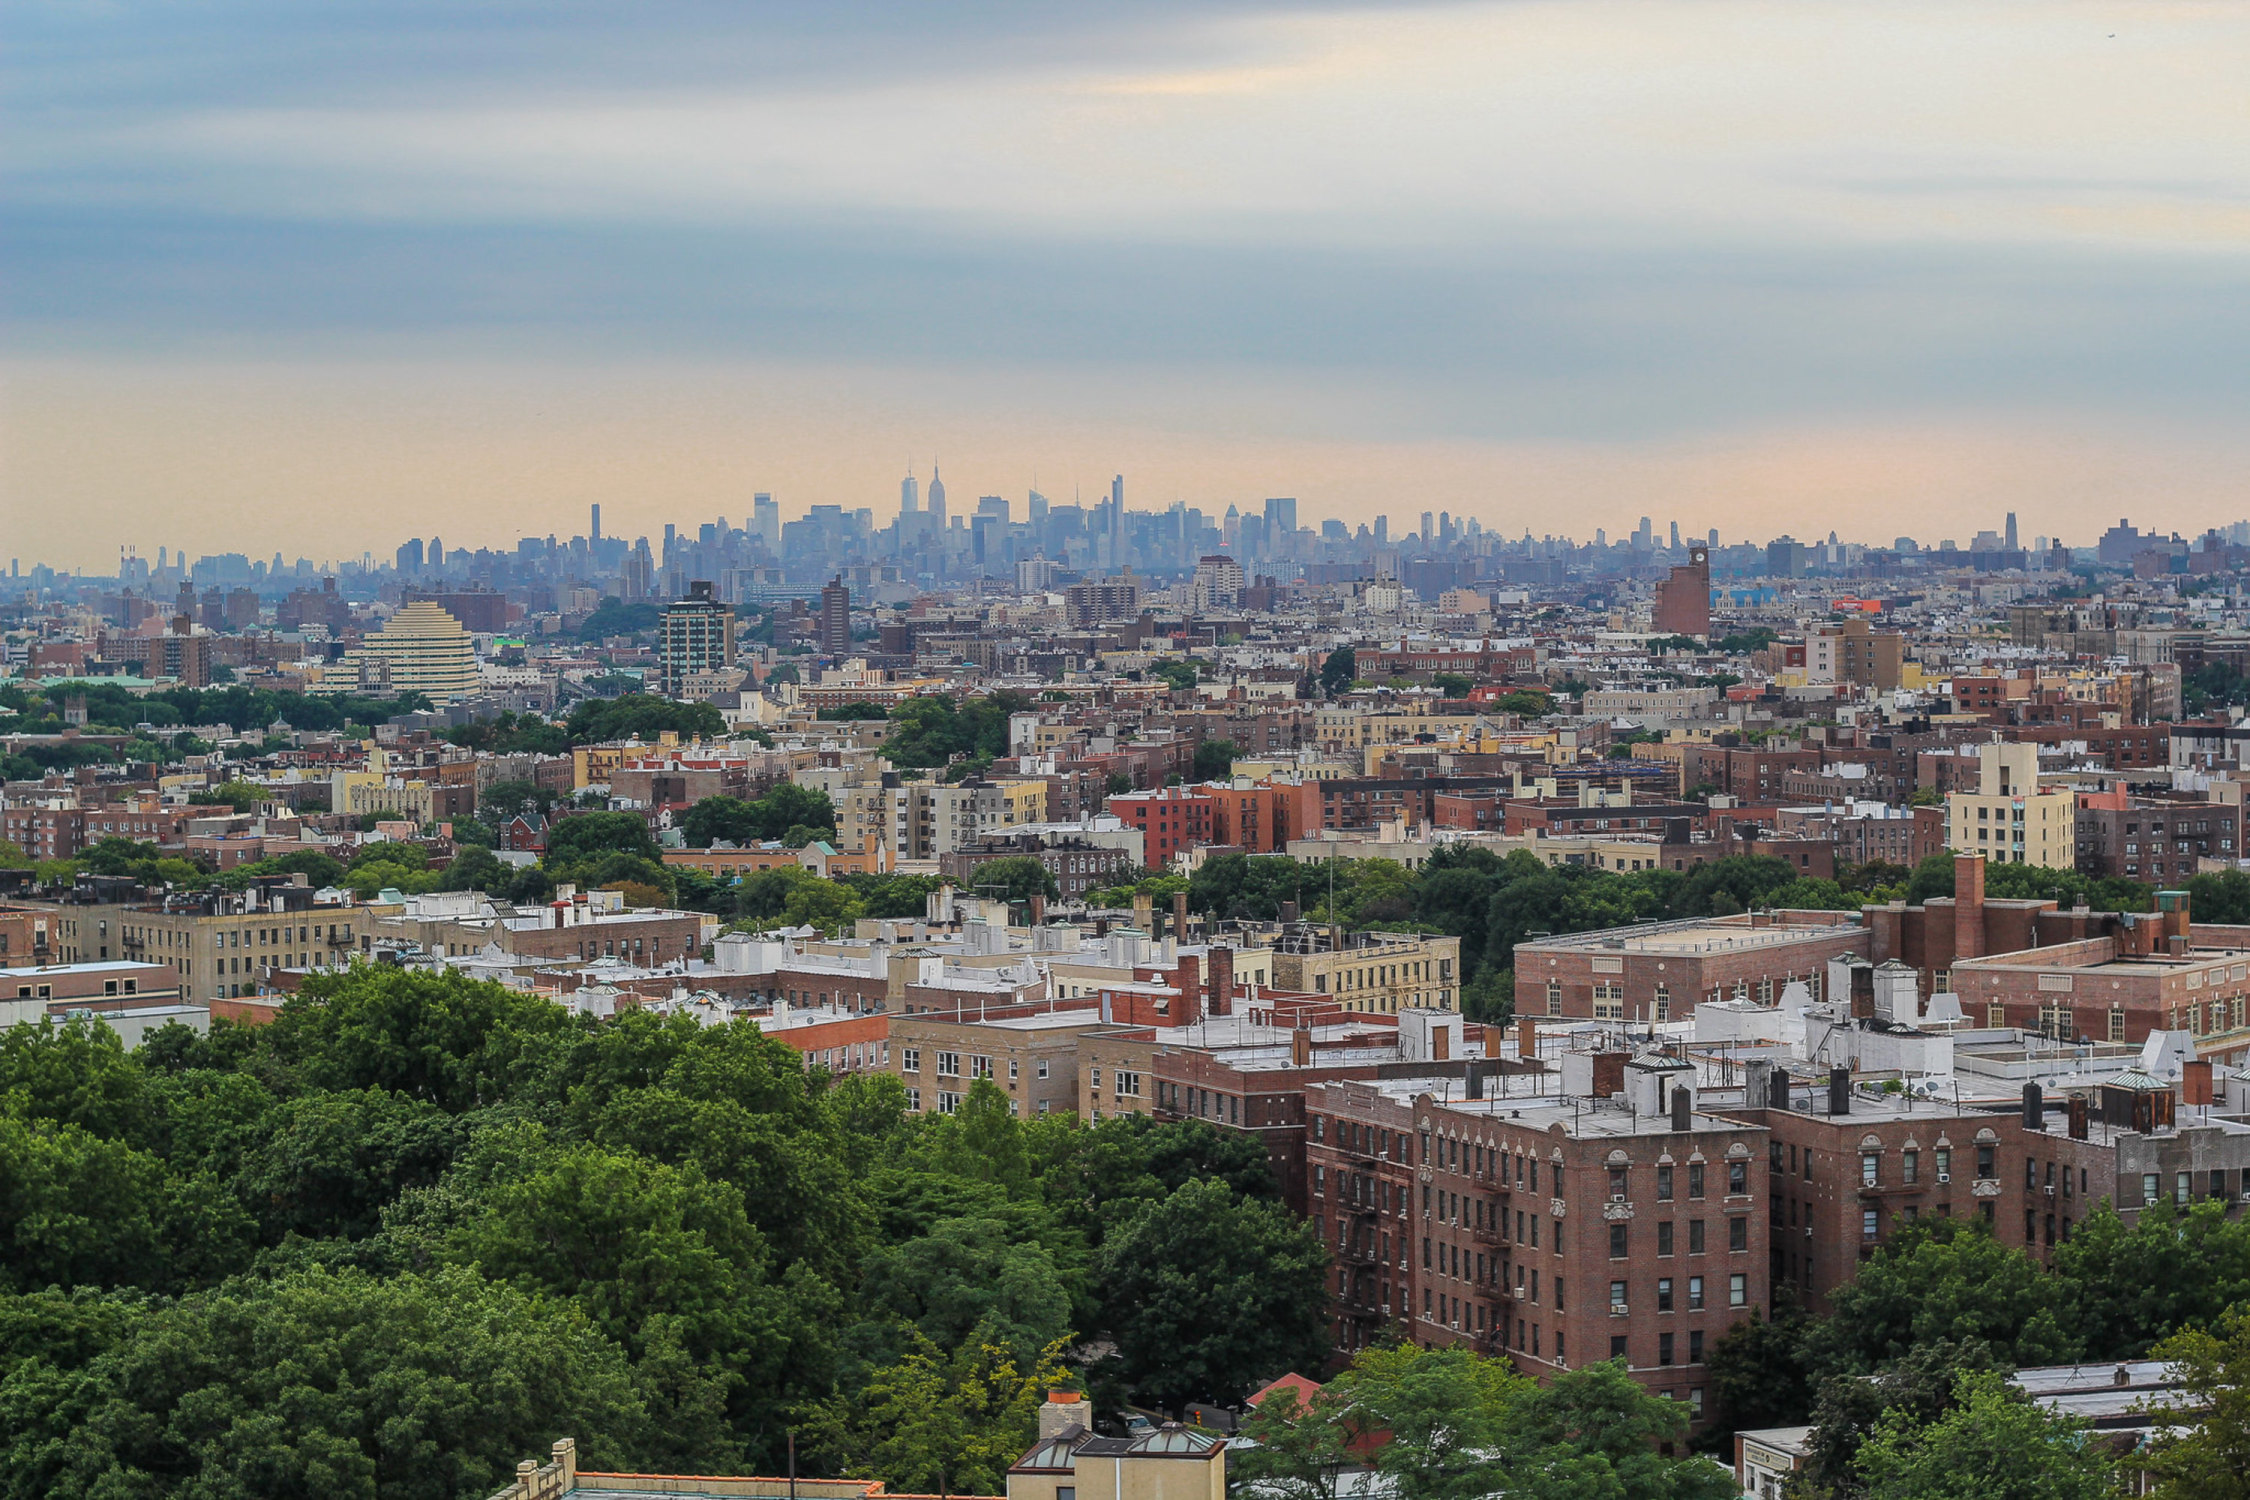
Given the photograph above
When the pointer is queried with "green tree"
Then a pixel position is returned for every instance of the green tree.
(1338, 670)
(1017, 878)
(2206, 1452)
(1297, 1449)
(1214, 759)
(1210, 1295)
(1942, 1278)
(2170, 1269)
(1994, 1443)
(588, 836)
(422, 1388)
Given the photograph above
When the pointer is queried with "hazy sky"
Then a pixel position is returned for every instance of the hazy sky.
(312, 277)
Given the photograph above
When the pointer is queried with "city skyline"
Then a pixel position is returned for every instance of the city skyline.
(272, 270)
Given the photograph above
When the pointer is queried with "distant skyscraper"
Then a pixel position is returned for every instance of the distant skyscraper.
(596, 533)
(2011, 531)
(836, 603)
(410, 555)
(1429, 528)
(437, 554)
(908, 500)
(1281, 514)
(995, 506)
(937, 495)
(1382, 531)
(1675, 536)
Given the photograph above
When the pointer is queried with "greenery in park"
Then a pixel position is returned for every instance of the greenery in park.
(419, 1227)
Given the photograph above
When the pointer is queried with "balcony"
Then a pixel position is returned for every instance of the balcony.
(1489, 1234)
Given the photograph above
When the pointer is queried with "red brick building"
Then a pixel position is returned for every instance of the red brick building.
(1662, 970)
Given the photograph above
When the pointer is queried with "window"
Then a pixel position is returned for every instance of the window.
(2150, 1187)
(980, 1067)
(1617, 1184)
(1695, 1294)
(1042, 1069)
(1664, 1237)
(1664, 1184)
(1663, 1294)
(914, 1100)
(1015, 1070)
(1738, 1179)
(949, 1064)
(1617, 1296)
(1944, 1163)
(1738, 1232)
(1738, 1290)
(1617, 1346)
(1870, 1168)
(1986, 1171)
(948, 1103)
(1695, 1179)
(1869, 1223)
(910, 1059)
(1695, 1346)
(1695, 1237)
(1664, 1348)
(1910, 1165)
(1618, 1248)
(1129, 1085)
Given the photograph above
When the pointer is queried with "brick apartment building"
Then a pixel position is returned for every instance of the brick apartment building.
(2158, 840)
(1661, 971)
(1559, 1232)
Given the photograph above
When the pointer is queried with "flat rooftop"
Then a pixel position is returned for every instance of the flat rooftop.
(1690, 936)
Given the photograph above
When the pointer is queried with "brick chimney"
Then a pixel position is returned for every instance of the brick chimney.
(1179, 915)
(1222, 979)
(1968, 906)
(1188, 980)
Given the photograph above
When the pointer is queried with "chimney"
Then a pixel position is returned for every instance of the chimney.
(1221, 977)
(1179, 914)
(2034, 1107)
(1061, 1409)
(1839, 1091)
(2078, 1117)
(1968, 906)
(1188, 980)
(1300, 1047)
(1475, 1079)
(1777, 1089)
(1144, 914)
(1527, 1038)
(1757, 1086)
(1683, 1107)
(1288, 912)
(1038, 909)
(2195, 1082)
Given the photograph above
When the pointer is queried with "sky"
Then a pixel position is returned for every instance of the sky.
(313, 277)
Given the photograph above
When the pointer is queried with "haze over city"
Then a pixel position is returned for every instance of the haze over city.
(314, 278)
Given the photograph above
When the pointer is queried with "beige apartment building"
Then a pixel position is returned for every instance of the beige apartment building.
(2008, 819)
(222, 948)
(1383, 972)
(1033, 1059)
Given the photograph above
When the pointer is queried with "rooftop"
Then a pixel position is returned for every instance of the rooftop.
(1694, 935)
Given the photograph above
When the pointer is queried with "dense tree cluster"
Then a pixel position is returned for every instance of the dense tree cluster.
(1902, 1376)
(419, 1227)
(597, 721)
(1445, 1424)
(931, 731)
(789, 813)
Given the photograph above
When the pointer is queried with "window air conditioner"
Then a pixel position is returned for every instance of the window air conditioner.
(1945, 1176)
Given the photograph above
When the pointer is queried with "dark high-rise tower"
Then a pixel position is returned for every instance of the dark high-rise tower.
(836, 617)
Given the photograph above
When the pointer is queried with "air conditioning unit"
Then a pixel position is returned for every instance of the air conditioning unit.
(2050, 1190)
(1617, 1197)
(1945, 1176)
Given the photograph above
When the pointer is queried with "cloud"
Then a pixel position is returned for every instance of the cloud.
(1494, 228)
